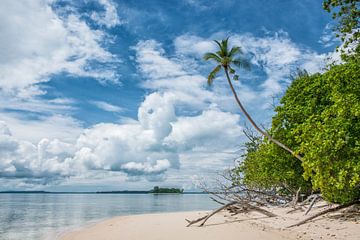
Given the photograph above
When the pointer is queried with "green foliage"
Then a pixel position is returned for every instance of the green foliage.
(166, 190)
(347, 12)
(266, 166)
(324, 112)
(319, 118)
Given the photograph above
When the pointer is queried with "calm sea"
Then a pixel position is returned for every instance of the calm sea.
(44, 216)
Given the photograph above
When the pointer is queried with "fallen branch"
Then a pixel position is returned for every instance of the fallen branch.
(261, 210)
(205, 218)
(231, 206)
(311, 205)
(217, 201)
(195, 221)
(296, 197)
(216, 211)
(324, 212)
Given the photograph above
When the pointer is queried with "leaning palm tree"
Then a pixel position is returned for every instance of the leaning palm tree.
(227, 58)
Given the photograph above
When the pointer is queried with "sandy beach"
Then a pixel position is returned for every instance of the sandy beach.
(222, 226)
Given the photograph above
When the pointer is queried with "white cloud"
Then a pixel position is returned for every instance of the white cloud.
(58, 126)
(21, 159)
(189, 44)
(153, 64)
(145, 148)
(203, 131)
(134, 168)
(165, 141)
(276, 55)
(328, 38)
(109, 16)
(107, 106)
(37, 43)
(169, 75)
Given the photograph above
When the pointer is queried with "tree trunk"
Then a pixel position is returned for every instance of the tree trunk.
(264, 133)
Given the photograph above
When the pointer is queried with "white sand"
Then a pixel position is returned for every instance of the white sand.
(253, 226)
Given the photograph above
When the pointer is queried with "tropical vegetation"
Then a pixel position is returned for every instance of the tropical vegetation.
(317, 121)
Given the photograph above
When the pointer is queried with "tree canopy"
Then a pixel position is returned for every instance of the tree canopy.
(319, 117)
(347, 12)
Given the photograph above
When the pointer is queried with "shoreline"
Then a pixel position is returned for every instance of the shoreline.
(173, 225)
(162, 226)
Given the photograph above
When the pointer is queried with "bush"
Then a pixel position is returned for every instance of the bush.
(319, 118)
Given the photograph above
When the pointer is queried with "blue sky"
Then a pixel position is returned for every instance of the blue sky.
(104, 95)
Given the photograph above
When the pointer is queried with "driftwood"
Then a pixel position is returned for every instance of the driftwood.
(296, 197)
(311, 205)
(217, 201)
(195, 221)
(260, 210)
(243, 207)
(324, 212)
(205, 218)
(216, 211)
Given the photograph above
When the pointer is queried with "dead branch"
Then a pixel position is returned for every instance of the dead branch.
(296, 197)
(232, 208)
(311, 204)
(216, 211)
(217, 201)
(210, 215)
(324, 212)
(195, 221)
(261, 210)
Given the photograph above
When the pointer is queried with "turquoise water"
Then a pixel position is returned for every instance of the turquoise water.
(44, 216)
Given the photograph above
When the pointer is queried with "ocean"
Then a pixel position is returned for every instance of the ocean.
(28, 216)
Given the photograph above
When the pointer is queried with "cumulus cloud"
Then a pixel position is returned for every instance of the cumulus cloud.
(22, 159)
(45, 126)
(36, 43)
(182, 126)
(134, 168)
(202, 131)
(148, 147)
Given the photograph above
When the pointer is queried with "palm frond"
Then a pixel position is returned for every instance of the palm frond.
(235, 50)
(213, 56)
(218, 43)
(212, 74)
(242, 63)
(231, 70)
(220, 53)
(224, 46)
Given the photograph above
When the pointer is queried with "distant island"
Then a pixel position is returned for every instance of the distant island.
(166, 190)
(155, 190)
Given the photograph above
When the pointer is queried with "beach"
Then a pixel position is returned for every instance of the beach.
(222, 226)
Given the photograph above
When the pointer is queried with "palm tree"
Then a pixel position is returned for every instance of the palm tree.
(226, 59)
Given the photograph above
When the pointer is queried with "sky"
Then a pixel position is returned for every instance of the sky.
(112, 95)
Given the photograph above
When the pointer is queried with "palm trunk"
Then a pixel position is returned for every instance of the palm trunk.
(264, 133)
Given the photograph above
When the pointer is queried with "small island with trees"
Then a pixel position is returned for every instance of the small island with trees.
(158, 190)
